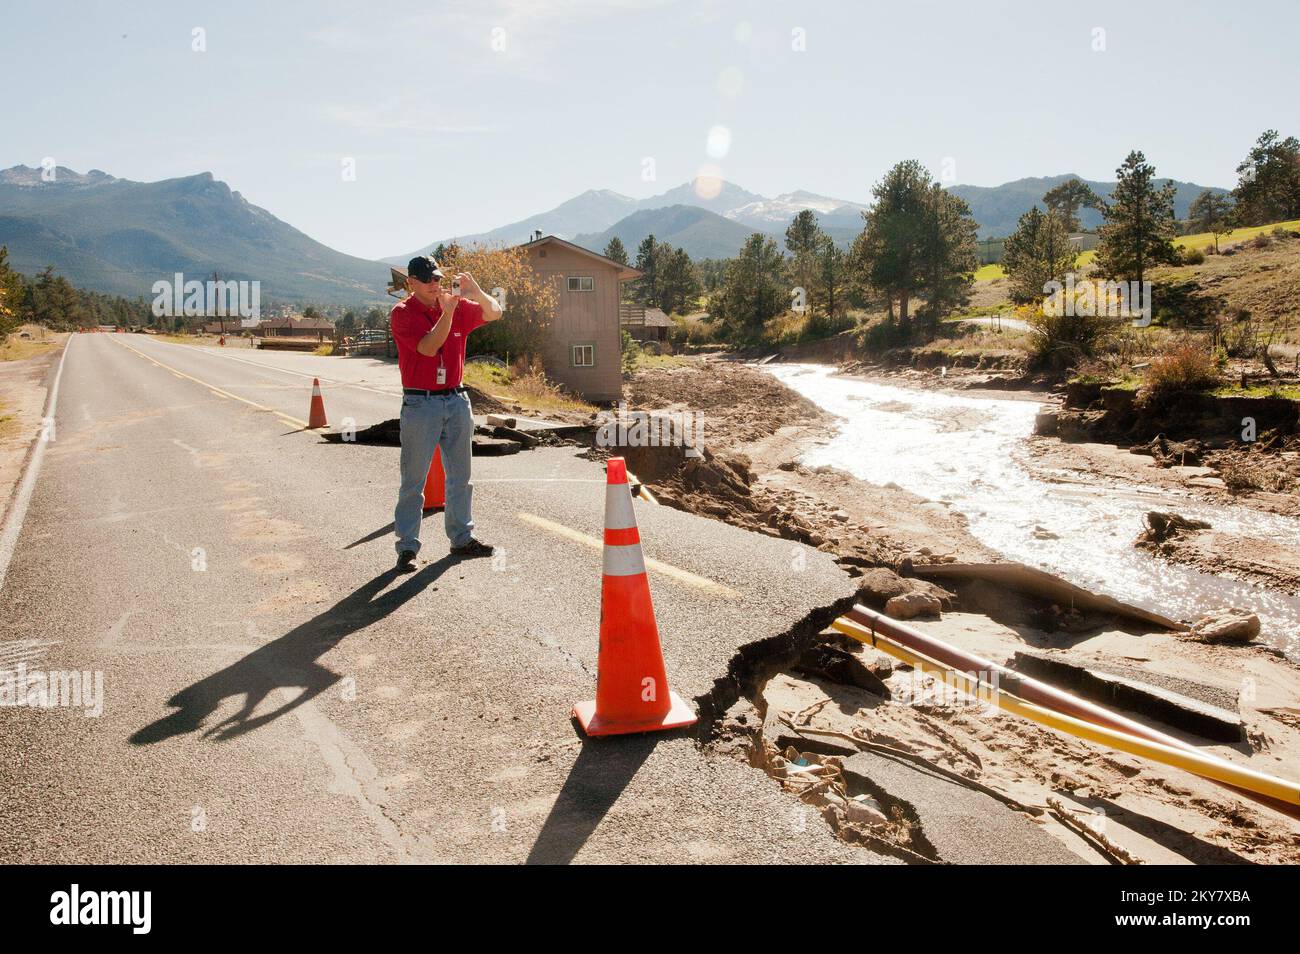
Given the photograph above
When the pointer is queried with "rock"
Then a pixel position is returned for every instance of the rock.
(1042, 533)
(878, 586)
(1161, 526)
(913, 604)
(1227, 625)
(864, 810)
(840, 516)
(1045, 423)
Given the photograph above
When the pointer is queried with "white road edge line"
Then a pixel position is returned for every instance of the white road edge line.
(18, 511)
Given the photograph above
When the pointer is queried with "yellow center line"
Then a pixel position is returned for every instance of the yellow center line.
(392, 392)
(214, 389)
(667, 569)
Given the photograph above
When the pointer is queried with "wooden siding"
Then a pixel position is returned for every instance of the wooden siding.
(582, 317)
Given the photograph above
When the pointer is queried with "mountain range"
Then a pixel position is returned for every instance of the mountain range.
(733, 214)
(997, 209)
(119, 236)
(712, 220)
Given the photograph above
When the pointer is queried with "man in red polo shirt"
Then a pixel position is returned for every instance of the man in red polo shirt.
(430, 326)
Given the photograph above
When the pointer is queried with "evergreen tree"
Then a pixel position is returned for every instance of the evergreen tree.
(679, 282)
(616, 251)
(889, 250)
(803, 240)
(1139, 228)
(1211, 212)
(1038, 252)
(949, 256)
(1268, 183)
(751, 293)
(1067, 199)
(648, 260)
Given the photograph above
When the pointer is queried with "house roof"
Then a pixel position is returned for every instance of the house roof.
(625, 272)
(311, 323)
(655, 318)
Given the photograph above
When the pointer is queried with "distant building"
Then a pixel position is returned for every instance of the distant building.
(318, 328)
(646, 324)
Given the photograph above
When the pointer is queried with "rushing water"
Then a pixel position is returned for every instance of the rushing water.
(970, 453)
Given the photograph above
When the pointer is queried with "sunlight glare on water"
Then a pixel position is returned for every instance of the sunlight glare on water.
(969, 452)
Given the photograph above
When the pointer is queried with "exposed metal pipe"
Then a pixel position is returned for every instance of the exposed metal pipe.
(867, 623)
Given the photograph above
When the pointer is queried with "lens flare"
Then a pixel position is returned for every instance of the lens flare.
(708, 182)
(718, 143)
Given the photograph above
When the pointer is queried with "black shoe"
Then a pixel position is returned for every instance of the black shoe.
(475, 548)
(406, 561)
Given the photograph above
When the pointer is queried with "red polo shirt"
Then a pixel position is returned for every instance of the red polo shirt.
(411, 320)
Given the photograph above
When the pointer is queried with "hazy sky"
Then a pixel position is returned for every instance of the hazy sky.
(463, 116)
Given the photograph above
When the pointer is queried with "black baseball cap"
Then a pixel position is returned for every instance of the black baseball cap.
(423, 268)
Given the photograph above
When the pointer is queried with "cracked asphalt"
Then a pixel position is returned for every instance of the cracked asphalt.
(274, 692)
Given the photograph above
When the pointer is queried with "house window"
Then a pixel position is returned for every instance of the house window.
(583, 283)
(584, 356)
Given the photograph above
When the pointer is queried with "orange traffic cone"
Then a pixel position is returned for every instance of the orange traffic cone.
(435, 485)
(632, 692)
(317, 416)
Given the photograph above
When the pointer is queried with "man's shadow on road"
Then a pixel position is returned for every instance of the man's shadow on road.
(286, 662)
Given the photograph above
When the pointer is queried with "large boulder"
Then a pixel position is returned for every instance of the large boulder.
(911, 605)
(1227, 625)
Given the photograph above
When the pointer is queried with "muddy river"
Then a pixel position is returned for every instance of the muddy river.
(971, 454)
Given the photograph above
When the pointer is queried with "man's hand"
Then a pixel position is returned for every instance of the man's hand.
(468, 287)
(448, 302)
(471, 289)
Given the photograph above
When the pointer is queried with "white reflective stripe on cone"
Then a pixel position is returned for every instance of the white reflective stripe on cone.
(623, 560)
(619, 514)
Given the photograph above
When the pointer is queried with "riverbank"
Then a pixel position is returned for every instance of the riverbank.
(757, 429)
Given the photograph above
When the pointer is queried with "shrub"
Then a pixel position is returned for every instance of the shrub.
(1060, 341)
(1193, 256)
(1262, 240)
(631, 351)
(882, 335)
(1187, 366)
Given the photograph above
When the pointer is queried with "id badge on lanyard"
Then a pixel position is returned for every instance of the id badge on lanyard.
(442, 370)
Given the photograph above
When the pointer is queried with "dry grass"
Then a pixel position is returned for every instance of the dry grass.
(525, 384)
(41, 341)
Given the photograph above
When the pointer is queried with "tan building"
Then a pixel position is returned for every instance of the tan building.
(585, 351)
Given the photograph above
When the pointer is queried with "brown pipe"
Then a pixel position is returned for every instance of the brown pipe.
(1031, 690)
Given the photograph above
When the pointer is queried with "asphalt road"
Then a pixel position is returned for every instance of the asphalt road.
(273, 691)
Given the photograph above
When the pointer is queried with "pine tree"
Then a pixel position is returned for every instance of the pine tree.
(1268, 184)
(949, 255)
(889, 249)
(751, 293)
(1038, 252)
(1140, 226)
(803, 240)
(1211, 212)
(679, 282)
(648, 260)
(616, 251)
(1067, 199)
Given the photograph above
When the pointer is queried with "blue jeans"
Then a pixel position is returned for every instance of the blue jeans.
(428, 421)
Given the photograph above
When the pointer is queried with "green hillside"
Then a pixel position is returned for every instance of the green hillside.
(119, 237)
